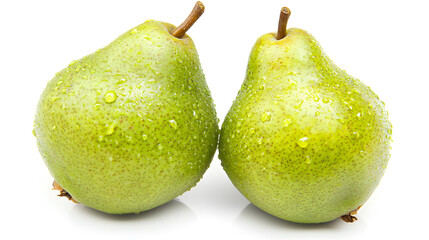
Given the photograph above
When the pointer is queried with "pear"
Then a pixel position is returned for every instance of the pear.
(303, 140)
(131, 126)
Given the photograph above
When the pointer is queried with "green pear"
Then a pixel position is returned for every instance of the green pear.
(131, 126)
(303, 140)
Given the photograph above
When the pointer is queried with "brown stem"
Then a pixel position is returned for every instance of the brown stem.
(196, 13)
(284, 17)
(349, 218)
(63, 193)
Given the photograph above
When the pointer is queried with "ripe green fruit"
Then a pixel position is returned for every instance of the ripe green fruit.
(303, 141)
(133, 125)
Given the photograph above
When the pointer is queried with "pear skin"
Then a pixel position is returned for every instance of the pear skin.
(303, 140)
(131, 126)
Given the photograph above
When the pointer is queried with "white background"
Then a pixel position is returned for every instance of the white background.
(383, 43)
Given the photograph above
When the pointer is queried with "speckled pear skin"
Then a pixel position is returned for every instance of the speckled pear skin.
(131, 126)
(303, 140)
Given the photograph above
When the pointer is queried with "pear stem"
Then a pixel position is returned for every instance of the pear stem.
(196, 13)
(284, 17)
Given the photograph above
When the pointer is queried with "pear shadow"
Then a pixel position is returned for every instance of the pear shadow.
(252, 216)
(153, 220)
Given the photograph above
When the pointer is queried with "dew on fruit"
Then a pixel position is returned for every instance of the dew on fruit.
(298, 105)
(325, 100)
(111, 128)
(252, 130)
(100, 138)
(34, 132)
(307, 159)
(173, 123)
(266, 116)
(96, 106)
(259, 141)
(110, 96)
(144, 137)
(316, 98)
(303, 142)
(121, 81)
(287, 122)
(160, 147)
(53, 99)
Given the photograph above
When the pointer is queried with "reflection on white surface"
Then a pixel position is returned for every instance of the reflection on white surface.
(257, 221)
(171, 216)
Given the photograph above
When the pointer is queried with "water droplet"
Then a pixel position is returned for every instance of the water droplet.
(54, 127)
(34, 132)
(129, 139)
(389, 131)
(173, 123)
(261, 87)
(111, 128)
(110, 158)
(325, 100)
(341, 120)
(266, 116)
(358, 115)
(144, 136)
(53, 99)
(252, 130)
(362, 153)
(287, 122)
(299, 104)
(356, 134)
(303, 142)
(316, 98)
(100, 138)
(249, 157)
(121, 81)
(370, 106)
(96, 106)
(110, 96)
(259, 141)
(160, 147)
(317, 113)
(307, 159)
(59, 83)
(238, 124)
